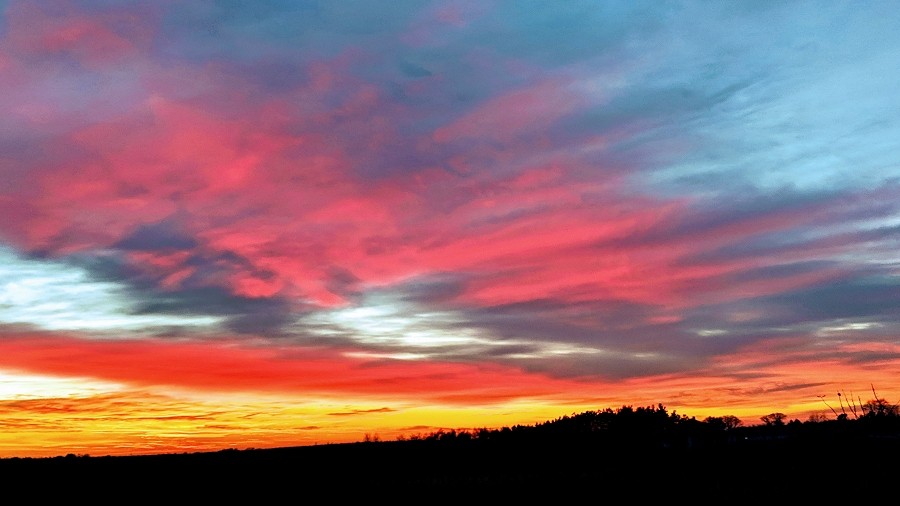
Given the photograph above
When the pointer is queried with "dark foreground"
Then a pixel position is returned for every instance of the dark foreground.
(772, 469)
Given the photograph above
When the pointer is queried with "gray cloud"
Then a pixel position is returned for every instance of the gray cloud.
(196, 296)
(875, 296)
(264, 316)
(162, 235)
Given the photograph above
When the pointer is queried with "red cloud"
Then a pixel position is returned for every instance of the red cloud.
(233, 366)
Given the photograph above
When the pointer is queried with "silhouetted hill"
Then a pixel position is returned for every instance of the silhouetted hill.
(644, 453)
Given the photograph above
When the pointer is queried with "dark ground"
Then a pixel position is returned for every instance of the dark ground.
(745, 470)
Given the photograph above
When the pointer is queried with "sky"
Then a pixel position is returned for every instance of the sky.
(277, 223)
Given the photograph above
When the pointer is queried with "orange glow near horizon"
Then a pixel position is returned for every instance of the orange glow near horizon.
(105, 398)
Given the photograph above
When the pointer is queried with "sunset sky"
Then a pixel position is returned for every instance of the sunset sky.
(274, 223)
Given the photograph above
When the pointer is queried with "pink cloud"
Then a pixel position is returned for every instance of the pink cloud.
(275, 179)
(294, 207)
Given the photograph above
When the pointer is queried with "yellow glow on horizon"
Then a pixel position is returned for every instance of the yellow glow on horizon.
(140, 422)
(145, 423)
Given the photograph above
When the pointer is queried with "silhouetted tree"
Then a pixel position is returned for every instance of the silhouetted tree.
(727, 422)
(879, 407)
(774, 419)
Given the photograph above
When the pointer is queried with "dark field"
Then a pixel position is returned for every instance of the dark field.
(773, 466)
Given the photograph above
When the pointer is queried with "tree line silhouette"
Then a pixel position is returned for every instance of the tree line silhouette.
(645, 427)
